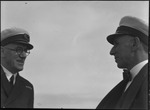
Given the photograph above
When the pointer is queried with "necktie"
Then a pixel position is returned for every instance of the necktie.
(127, 75)
(12, 80)
(11, 84)
(126, 78)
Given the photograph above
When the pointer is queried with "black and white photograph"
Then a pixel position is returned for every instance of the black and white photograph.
(74, 54)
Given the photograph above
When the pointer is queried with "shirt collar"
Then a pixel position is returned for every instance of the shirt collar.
(135, 70)
(8, 73)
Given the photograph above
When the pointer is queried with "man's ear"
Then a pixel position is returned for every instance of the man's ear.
(135, 43)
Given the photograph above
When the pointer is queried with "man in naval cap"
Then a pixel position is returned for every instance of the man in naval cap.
(130, 50)
(16, 91)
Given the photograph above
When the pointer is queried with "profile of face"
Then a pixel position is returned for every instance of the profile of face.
(122, 51)
(13, 57)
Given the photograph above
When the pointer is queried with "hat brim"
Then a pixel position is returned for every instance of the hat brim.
(29, 46)
(112, 37)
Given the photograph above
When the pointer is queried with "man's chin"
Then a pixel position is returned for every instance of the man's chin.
(19, 68)
(120, 66)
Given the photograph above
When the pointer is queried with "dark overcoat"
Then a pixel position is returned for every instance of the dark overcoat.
(21, 96)
(135, 97)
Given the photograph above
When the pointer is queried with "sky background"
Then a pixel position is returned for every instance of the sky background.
(70, 65)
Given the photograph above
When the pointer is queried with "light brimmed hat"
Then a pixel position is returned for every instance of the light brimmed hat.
(15, 35)
(131, 26)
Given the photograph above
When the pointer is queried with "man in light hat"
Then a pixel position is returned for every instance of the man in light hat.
(130, 50)
(16, 92)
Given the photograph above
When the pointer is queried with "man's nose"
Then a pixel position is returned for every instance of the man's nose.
(112, 51)
(23, 54)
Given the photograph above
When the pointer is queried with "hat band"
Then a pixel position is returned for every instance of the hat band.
(129, 30)
(134, 32)
(17, 38)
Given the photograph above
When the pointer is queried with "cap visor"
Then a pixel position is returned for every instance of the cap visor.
(112, 37)
(29, 46)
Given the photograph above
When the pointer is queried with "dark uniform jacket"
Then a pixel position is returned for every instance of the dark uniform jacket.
(21, 96)
(135, 97)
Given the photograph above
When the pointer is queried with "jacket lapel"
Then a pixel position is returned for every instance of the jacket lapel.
(17, 90)
(135, 86)
(111, 99)
(4, 83)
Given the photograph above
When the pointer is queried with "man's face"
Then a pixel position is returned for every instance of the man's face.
(122, 51)
(11, 59)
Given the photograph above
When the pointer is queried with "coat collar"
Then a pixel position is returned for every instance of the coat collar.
(4, 83)
(135, 86)
(136, 69)
(9, 74)
(17, 90)
(18, 87)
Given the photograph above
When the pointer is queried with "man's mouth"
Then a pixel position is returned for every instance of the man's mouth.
(20, 61)
(116, 58)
